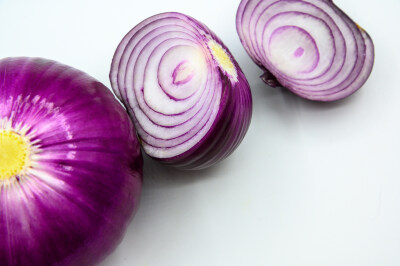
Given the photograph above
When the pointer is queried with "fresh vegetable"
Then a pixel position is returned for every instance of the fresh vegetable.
(70, 165)
(190, 101)
(310, 47)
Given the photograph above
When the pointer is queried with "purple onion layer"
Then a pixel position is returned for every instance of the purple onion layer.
(189, 100)
(73, 203)
(311, 47)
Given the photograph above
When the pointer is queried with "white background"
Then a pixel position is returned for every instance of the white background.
(311, 184)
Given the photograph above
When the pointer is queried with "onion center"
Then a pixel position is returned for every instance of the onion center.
(14, 151)
(183, 73)
(293, 57)
(223, 59)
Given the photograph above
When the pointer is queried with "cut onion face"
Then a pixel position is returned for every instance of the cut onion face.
(310, 47)
(70, 165)
(189, 100)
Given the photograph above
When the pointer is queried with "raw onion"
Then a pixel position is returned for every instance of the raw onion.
(310, 47)
(189, 100)
(70, 165)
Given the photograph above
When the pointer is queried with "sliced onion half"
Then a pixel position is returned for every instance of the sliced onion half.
(310, 47)
(190, 101)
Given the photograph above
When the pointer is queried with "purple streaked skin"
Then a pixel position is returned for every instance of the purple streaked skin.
(231, 121)
(353, 52)
(75, 201)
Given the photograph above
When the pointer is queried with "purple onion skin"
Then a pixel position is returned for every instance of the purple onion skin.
(341, 82)
(76, 199)
(234, 115)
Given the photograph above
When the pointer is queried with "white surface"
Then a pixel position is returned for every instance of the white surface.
(311, 184)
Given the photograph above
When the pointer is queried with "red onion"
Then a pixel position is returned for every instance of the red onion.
(189, 100)
(70, 165)
(310, 47)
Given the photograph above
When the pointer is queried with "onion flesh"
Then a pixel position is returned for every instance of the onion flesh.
(189, 100)
(310, 47)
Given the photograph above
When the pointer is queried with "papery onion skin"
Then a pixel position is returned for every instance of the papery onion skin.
(223, 104)
(82, 187)
(342, 50)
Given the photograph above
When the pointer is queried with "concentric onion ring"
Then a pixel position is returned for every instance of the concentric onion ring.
(190, 101)
(310, 47)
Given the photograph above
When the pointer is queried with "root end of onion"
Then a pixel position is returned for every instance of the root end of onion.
(223, 59)
(14, 154)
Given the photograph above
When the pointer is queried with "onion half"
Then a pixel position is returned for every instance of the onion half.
(310, 47)
(189, 100)
(70, 165)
